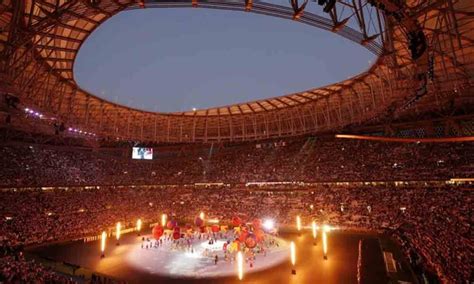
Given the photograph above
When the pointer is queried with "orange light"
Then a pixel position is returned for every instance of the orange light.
(163, 220)
(298, 223)
(201, 215)
(293, 253)
(102, 242)
(117, 230)
(139, 225)
(325, 243)
(240, 265)
(315, 229)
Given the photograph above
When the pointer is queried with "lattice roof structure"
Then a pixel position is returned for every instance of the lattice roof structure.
(424, 48)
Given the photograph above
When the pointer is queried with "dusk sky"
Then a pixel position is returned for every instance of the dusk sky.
(176, 59)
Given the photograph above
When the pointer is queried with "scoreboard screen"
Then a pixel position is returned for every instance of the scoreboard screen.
(139, 153)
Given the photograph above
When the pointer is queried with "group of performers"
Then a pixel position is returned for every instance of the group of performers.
(215, 242)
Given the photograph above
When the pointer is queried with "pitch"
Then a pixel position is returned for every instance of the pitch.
(132, 263)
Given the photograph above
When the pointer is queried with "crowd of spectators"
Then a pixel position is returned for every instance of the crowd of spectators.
(310, 160)
(14, 268)
(435, 222)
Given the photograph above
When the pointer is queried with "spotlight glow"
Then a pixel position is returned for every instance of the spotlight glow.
(269, 224)
(293, 253)
(201, 215)
(102, 242)
(315, 229)
(117, 230)
(240, 265)
(298, 223)
(325, 243)
(139, 225)
(163, 219)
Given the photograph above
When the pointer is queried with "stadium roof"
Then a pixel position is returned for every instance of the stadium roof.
(424, 48)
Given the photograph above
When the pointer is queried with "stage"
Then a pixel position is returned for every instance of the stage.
(132, 263)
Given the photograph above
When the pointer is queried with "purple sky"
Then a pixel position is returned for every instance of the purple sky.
(176, 59)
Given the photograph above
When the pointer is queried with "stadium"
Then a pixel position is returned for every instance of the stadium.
(366, 180)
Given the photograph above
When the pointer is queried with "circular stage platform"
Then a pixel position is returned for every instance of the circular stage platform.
(164, 264)
(165, 260)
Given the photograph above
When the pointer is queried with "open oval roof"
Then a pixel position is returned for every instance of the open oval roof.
(425, 58)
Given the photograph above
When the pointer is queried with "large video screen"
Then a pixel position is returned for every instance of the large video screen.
(140, 153)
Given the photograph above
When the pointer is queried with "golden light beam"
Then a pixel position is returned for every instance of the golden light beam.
(293, 253)
(315, 229)
(117, 230)
(163, 220)
(139, 225)
(298, 223)
(240, 265)
(325, 244)
(201, 215)
(102, 242)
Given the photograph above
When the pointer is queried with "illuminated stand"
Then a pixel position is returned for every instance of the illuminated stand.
(102, 244)
(117, 232)
(293, 257)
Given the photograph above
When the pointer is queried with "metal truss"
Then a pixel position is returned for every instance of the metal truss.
(424, 48)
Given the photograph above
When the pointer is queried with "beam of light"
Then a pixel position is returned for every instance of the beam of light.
(326, 228)
(139, 225)
(102, 242)
(325, 243)
(410, 140)
(315, 229)
(293, 253)
(240, 265)
(269, 224)
(213, 221)
(298, 223)
(163, 220)
(117, 230)
(201, 215)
